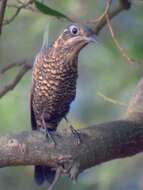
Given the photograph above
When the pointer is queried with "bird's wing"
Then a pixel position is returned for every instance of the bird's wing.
(33, 118)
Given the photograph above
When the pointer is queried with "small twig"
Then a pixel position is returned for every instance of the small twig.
(13, 17)
(122, 6)
(23, 69)
(107, 7)
(29, 7)
(124, 54)
(58, 174)
(111, 100)
(10, 66)
(18, 9)
(2, 11)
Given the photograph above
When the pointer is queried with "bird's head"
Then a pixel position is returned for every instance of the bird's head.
(74, 38)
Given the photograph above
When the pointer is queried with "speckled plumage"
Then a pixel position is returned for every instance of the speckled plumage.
(54, 87)
(54, 78)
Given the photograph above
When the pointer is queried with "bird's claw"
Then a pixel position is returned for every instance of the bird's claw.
(50, 137)
(76, 134)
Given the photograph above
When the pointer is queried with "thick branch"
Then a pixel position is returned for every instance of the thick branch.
(100, 143)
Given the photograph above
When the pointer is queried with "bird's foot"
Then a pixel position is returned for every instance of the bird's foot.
(76, 134)
(48, 133)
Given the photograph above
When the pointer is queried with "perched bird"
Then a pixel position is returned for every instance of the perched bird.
(54, 78)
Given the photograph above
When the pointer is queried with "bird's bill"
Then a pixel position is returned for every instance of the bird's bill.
(90, 38)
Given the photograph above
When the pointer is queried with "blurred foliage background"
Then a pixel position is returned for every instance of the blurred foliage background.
(101, 69)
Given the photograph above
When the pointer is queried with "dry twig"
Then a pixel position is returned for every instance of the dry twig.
(58, 174)
(10, 66)
(124, 54)
(22, 70)
(2, 12)
(18, 9)
(107, 7)
(111, 100)
(123, 5)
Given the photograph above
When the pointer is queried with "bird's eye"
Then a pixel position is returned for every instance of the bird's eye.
(74, 30)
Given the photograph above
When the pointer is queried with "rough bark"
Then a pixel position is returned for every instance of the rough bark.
(100, 143)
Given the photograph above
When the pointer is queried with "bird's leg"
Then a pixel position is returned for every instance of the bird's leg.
(47, 131)
(50, 136)
(74, 131)
(76, 134)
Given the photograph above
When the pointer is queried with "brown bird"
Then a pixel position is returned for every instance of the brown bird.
(54, 78)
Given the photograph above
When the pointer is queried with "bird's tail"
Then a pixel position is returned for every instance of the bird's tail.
(44, 173)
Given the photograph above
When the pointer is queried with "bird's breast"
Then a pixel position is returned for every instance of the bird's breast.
(54, 92)
(54, 88)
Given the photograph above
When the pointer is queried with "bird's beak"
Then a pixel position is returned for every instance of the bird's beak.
(91, 38)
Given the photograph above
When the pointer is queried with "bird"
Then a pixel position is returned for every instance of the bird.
(54, 78)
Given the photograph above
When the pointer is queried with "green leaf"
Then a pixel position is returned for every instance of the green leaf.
(47, 10)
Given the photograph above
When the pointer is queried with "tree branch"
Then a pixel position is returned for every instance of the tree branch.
(18, 9)
(100, 143)
(24, 67)
(2, 11)
(123, 5)
(107, 7)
